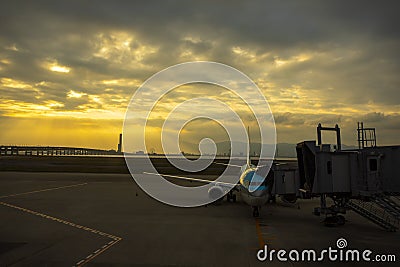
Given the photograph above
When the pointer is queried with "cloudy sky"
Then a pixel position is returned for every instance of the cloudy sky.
(68, 69)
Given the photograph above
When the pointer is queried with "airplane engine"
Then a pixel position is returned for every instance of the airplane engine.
(216, 193)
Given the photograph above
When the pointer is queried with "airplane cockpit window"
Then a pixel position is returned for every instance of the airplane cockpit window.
(252, 181)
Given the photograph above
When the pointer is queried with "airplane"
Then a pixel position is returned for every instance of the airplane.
(255, 190)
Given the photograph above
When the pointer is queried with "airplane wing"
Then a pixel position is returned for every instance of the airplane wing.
(192, 179)
(232, 165)
(260, 166)
(226, 164)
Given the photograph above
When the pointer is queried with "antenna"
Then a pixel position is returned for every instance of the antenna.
(248, 147)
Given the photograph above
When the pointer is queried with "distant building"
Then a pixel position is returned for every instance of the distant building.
(120, 144)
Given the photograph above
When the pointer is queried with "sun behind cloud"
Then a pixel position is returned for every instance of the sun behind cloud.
(313, 62)
(53, 65)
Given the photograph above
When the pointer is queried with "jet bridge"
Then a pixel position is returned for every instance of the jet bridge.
(369, 173)
(286, 181)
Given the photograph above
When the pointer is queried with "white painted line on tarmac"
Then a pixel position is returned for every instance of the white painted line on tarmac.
(115, 239)
(43, 190)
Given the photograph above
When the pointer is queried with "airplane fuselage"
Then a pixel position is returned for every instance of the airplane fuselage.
(253, 188)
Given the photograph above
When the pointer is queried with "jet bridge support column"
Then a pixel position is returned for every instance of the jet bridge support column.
(336, 129)
(331, 213)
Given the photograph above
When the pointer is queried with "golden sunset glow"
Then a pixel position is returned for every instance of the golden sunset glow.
(71, 84)
(57, 68)
(7, 82)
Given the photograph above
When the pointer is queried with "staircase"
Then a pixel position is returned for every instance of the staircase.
(377, 213)
(386, 203)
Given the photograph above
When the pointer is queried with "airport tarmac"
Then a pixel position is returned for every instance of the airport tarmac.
(93, 219)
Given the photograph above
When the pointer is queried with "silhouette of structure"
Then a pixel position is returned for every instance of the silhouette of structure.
(51, 151)
(366, 136)
(119, 150)
(364, 179)
(14, 150)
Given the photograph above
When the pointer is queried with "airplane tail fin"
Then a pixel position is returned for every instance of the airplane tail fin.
(248, 147)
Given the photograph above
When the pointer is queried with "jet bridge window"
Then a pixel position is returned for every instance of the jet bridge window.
(373, 165)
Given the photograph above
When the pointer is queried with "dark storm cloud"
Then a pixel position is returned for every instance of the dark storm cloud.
(352, 48)
(273, 23)
(288, 118)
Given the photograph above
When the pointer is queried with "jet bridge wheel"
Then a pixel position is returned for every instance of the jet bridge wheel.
(231, 197)
(341, 220)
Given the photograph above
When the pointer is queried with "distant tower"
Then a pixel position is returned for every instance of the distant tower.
(120, 144)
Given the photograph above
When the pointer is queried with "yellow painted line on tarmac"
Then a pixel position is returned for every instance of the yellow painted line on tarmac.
(261, 241)
(97, 252)
(43, 190)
